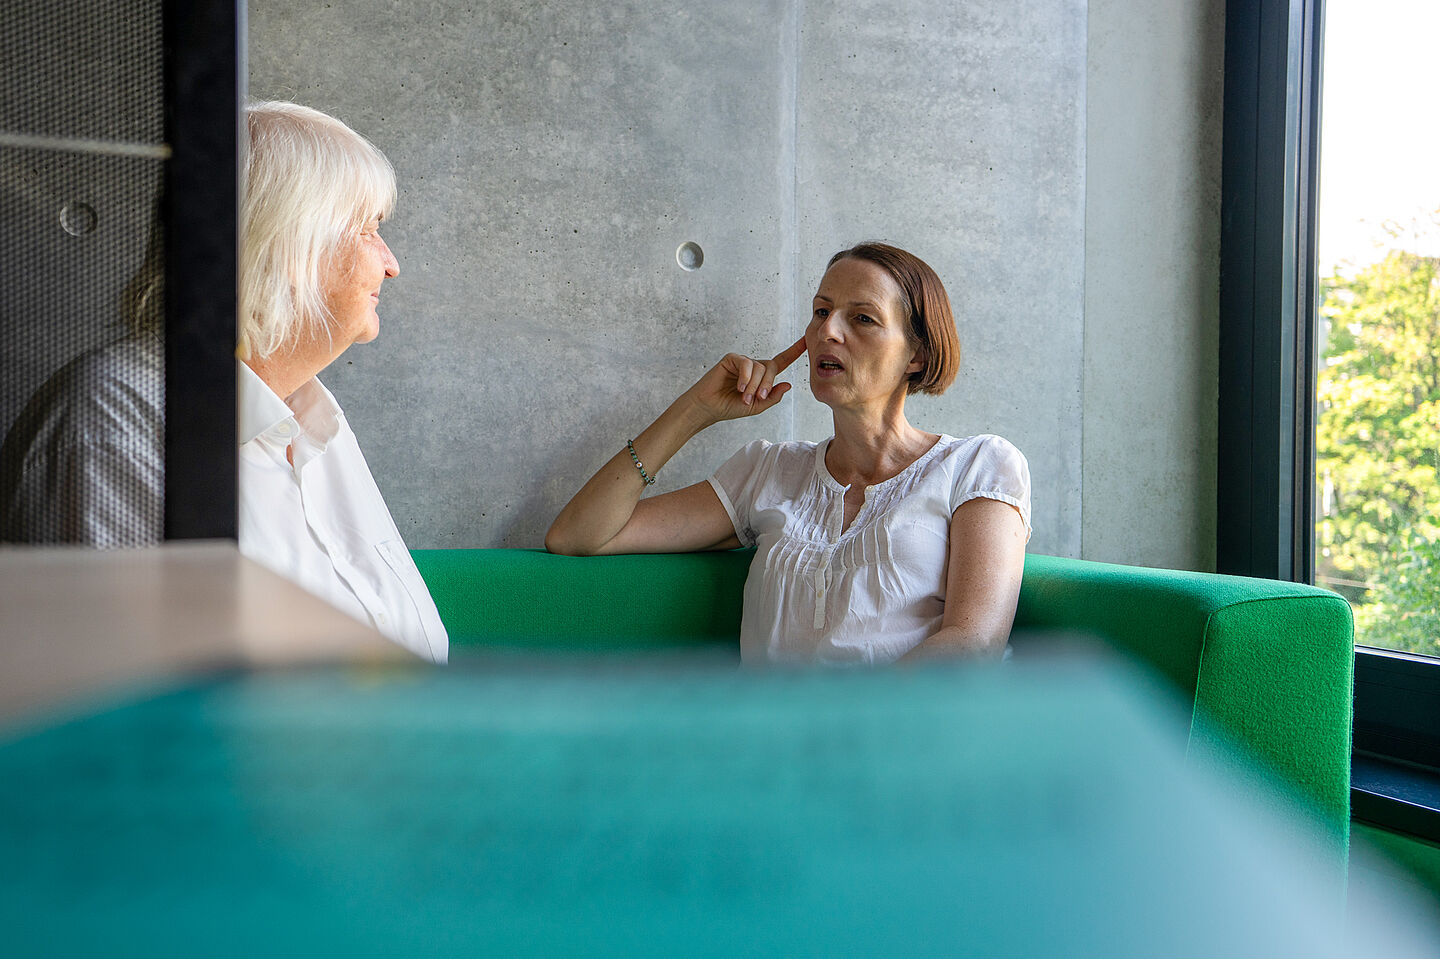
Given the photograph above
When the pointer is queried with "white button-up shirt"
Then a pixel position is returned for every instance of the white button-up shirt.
(874, 591)
(322, 522)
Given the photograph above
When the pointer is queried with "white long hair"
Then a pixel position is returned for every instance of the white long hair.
(311, 185)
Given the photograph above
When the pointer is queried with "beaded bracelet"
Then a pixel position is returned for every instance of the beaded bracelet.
(649, 480)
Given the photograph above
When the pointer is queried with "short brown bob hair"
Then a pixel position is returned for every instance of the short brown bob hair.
(930, 324)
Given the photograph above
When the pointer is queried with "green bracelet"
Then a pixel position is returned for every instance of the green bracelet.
(649, 480)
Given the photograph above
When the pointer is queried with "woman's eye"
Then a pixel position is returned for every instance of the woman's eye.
(862, 318)
(821, 312)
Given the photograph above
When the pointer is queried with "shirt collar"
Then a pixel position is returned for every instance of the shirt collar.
(312, 408)
(822, 471)
(316, 411)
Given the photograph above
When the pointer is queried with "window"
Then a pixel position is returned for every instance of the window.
(1377, 424)
(1269, 491)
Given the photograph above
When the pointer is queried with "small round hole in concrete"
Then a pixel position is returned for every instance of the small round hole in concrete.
(690, 257)
(77, 219)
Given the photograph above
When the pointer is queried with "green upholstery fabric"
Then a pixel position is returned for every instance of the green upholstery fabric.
(531, 599)
(1267, 665)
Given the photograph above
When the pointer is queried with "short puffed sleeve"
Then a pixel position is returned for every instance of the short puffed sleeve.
(738, 481)
(990, 467)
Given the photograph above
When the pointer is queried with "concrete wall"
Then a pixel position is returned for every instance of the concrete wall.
(1152, 274)
(553, 156)
(957, 131)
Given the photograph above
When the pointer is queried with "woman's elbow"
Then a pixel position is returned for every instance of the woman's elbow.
(557, 541)
(951, 642)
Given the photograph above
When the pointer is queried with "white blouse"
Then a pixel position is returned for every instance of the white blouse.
(322, 522)
(874, 592)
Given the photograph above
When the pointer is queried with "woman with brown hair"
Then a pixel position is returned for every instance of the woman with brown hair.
(881, 542)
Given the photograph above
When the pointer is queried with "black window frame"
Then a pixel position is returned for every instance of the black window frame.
(204, 47)
(1266, 452)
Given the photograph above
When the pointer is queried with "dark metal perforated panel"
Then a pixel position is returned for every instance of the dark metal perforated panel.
(82, 164)
(83, 69)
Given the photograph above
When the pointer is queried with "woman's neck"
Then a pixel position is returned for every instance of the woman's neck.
(291, 367)
(871, 449)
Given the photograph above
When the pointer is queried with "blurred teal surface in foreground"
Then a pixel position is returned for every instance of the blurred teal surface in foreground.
(655, 807)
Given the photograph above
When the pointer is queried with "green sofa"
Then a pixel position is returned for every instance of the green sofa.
(1267, 665)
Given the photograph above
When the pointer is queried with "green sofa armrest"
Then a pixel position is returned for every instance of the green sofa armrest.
(1269, 664)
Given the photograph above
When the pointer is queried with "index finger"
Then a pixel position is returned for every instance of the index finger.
(789, 355)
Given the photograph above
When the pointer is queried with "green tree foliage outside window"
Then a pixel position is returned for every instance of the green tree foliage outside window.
(1377, 448)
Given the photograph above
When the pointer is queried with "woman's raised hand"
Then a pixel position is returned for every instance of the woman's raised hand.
(608, 515)
(742, 385)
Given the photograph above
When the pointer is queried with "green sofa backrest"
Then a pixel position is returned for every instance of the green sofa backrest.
(531, 599)
(1267, 665)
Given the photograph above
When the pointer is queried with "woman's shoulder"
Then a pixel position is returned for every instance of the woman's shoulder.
(984, 462)
(763, 463)
(987, 466)
(783, 451)
(982, 446)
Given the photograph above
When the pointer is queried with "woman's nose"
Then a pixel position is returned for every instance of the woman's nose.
(392, 265)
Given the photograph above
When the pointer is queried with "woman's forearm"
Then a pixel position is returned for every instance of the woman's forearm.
(957, 642)
(736, 386)
(597, 514)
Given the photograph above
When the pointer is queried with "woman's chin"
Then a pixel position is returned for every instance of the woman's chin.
(822, 394)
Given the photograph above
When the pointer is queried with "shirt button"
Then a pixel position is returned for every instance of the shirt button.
(820, 591)
(381, 619)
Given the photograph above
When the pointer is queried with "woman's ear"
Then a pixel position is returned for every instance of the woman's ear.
(918, 361)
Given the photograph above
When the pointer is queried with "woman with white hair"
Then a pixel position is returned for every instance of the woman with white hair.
(312, 264)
